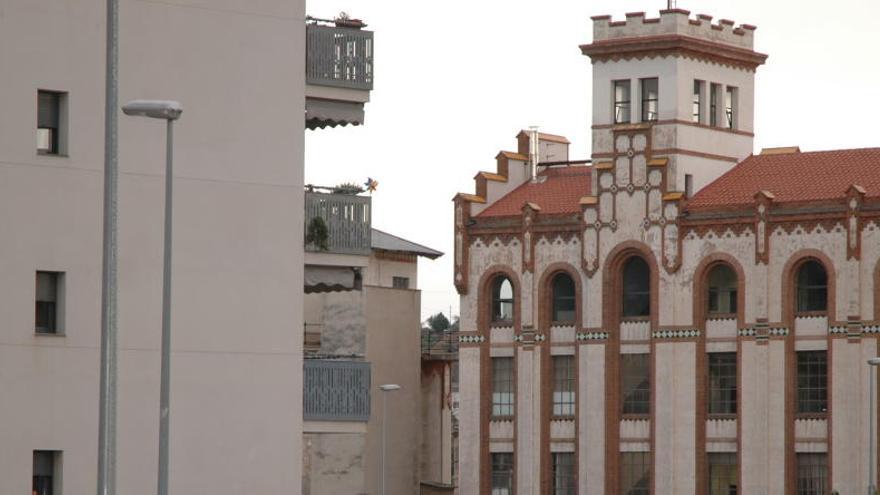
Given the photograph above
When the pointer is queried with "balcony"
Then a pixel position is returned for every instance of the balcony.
(337, 223)
(339, 71)
(336, 390)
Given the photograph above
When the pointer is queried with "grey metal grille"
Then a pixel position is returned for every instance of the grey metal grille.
(336, 390)
(340, 57)
(347, 218)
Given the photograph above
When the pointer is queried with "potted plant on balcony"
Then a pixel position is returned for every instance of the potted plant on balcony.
(317, 234)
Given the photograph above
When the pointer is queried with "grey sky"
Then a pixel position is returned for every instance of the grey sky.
(456, 80)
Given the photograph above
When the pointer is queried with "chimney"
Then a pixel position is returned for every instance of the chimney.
(533, 152)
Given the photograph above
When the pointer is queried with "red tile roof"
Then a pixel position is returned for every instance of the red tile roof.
(560, 192)
(793, 177)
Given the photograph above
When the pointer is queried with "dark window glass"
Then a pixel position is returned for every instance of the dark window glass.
(635, 477)
(812, 381)
(502, 386)
(563, 474)
(563, 386)
(621, 102)
(650, 99)
(400, 282)
(563, 298)
(635, 384)
(812, 287)
(812, 474)
(636, 288)
(715, 89)
(48, 122)
(722, 290)
(698, 101)
(722, 473)
(46, 318)
(502, 300)
(722, 383)
(502, 474)
(44, 472)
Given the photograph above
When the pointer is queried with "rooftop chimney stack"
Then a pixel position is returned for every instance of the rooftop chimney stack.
(533, 152)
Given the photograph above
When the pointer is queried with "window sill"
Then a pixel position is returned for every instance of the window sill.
(816, 415)
(501, 418)
(562, 323)
(634, 319)
(721, 416)
(568, 417)
(501, 324)
(46, 334)
(720, 316)
(810, 314)
(54, 155)
(635, 417)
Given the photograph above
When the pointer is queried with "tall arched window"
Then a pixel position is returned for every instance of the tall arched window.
(502, 300)
(812, 287)
(722, 290)
(636, 288)
(563, 298)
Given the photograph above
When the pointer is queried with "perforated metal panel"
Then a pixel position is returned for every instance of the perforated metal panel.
(340, 57)
(336, 390)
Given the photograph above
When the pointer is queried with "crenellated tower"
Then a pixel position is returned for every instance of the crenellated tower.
(689, 80)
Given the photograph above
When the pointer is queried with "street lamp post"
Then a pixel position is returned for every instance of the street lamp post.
(169, 111)
(390, 387)
(873, 362)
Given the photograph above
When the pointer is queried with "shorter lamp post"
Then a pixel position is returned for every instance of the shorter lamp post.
(873, 362)
(390, 387)
(168, 111)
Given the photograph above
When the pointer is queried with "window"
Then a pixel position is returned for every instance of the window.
(698, 102)
(715, 90)
(48, 299)
(722, 291)
(563, 386)
(502, 474)
(812, 381)
(730, 106)
(400, 282)
(563, 299)
(812, 474)
(650, 99)
(502, 300)
(563, 473)
(502, 386)
(636, 288)
(50, 110)
(621, 102)
(635, 478)
(812, 287)
(722, 383)
(722, 473)
(635, 385)
(688, 185)
(46, 475)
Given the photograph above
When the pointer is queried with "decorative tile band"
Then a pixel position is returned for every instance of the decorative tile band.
(748, 332)
(471, 339)
(777, 332)
(592, 336)
(839, 330)
(676, 334)
(538, 337)
(871, 329)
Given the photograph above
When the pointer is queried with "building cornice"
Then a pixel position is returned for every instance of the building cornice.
(672, 44)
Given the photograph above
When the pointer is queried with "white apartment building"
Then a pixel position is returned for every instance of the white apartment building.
(238, 68)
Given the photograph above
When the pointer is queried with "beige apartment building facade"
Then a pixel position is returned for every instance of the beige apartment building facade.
(237, 67)
(677, 314)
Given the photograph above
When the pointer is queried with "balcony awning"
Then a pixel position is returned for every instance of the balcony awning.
(324, 113)
(328, 278)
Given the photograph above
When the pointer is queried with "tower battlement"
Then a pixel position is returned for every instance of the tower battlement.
(674, 22)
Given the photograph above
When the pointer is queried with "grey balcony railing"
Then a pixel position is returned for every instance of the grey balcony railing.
(347, 219)
(339, 56)
(336, 390)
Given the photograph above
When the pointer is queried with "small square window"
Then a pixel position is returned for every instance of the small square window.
(47, 472)
(48, 302)
(400, 282)
(51, 122)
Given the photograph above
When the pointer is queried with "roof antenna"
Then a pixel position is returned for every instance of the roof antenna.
(670, 4)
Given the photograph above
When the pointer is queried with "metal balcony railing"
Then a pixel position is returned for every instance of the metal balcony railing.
(440, 345)
(339, 56)
(336, 390)
(346, 222)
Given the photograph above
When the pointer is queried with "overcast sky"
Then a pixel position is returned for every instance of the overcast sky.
(456, 80)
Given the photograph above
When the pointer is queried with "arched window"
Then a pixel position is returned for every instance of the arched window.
(502, 300)
(563, 298)
(722, 290)
(812, 287)
(636, 288)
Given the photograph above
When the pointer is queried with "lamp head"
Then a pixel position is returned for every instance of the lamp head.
(389, 387)
(874, 361)
(155, 109)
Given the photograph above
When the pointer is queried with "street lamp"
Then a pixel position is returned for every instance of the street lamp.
(873, 362)
(389, 387)
(168, 111)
